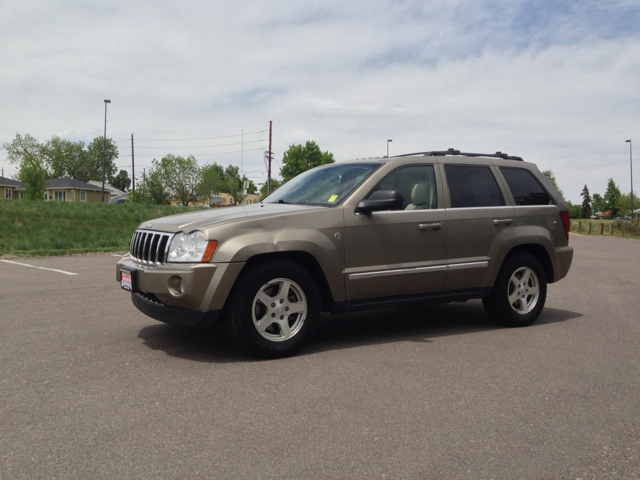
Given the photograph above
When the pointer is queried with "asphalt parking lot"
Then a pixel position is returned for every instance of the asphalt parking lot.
(91, 388)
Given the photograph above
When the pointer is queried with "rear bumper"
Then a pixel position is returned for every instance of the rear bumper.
(175, 316)
(565, 257)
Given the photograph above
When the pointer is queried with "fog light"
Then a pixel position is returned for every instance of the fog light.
(176, 285)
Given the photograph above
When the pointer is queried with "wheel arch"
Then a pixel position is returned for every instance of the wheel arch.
(306, 260)
(541, 255)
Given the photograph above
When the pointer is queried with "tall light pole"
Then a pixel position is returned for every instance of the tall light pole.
(388, 146)
(104, 144)
(631, 163)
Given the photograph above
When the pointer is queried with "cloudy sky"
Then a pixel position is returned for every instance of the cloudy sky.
(556, 82)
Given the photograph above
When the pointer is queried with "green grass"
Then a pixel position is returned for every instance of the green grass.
(29, 228)
(632, 227)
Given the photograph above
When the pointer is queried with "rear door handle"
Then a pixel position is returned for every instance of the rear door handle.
(503, 221)
(430, 226)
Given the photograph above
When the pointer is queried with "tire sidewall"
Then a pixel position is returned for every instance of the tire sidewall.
(497, 304)
(241, 320)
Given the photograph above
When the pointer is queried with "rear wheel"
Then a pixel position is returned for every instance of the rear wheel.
(519, 293)
(274, 309)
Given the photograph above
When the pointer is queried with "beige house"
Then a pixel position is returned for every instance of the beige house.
(70, 190)
(250, 199)
(11, 189)
(222, 200)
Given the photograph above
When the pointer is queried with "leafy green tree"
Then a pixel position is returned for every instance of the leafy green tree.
(586, 203)
(624, 203)
(232, 182)
(23, 147)
(575, 211)
(94, 153)
(298, 159)
(122, 181)
(275, 184)
(65, 158)
(32, 175)
(598, 203)
(552, 178)
(211, 180)
(151, 190)
(180, 176)
(611, 197)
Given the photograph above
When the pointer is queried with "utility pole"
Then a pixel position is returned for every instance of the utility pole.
(133, 166)
(270, 157)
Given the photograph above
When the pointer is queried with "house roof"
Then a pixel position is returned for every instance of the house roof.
(65, 182)
(7, 182)
(114, 191)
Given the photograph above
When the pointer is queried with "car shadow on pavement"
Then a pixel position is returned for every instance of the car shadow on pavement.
(349, 330)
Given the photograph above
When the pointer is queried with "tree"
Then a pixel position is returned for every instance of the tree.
(624, 203)
(298, 159)
(586, 203)
(65, 158)
(611, 197)
(211, 180)
(575, 211)
(32, 175)
(598, 203)
(552, 178)
(122, 181)
(275, 184)
(94, 152)
(180, 176)
(232, 182)
(23, 147)
(150, 190)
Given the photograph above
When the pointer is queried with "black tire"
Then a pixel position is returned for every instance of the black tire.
(519, 293)
(267, 321)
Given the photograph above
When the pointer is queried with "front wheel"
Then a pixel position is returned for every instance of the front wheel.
(274, 309)
(519, 293)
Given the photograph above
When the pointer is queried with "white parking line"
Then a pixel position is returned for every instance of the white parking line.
(39, 268)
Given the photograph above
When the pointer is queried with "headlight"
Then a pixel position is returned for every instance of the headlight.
(191, 248)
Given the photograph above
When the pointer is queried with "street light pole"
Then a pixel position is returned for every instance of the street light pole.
(104, 144)
(388, 146)
(631, 164)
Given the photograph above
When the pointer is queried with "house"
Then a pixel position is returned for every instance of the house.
(221, 200)
(250, 198)
(11, 189)
(69, 190)
(114, 193)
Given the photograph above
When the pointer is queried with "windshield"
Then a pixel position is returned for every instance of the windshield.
(327, 185)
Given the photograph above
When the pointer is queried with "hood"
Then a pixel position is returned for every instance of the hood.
(188, 222)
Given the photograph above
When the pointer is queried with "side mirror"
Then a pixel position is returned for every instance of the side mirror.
(380, 200)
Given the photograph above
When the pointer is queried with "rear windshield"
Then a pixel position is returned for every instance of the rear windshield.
(328, 185)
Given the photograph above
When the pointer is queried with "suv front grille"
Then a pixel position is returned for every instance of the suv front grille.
(149, 248)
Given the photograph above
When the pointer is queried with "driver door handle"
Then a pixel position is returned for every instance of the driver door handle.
(430, 226)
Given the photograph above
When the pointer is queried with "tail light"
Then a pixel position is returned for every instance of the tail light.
(566, 222)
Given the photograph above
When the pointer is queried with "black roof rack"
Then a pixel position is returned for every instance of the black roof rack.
(452, 151)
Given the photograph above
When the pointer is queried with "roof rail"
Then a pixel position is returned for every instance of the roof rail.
(452, 151)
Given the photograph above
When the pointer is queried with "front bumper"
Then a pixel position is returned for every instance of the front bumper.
(174, 316)
(201, 287)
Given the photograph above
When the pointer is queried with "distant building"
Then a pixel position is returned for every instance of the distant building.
(11, 189)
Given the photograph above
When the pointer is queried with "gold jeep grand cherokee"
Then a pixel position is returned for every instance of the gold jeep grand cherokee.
(412, 229)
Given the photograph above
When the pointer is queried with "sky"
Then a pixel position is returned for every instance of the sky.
(555, 82)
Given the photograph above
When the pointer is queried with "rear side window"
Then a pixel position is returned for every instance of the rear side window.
(472, 186)
(525, 187)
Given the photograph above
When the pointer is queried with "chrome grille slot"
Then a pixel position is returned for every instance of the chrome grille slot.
(149, 248)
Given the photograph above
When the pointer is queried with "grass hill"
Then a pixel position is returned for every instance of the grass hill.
(29, 228)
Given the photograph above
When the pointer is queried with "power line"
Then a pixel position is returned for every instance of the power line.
(202, 146)
(191, 131)
(206, 154)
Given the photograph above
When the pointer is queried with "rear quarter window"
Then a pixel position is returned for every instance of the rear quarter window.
(525, 188)
(472, 186)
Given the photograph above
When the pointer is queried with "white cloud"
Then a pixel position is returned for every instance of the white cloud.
(554, 82)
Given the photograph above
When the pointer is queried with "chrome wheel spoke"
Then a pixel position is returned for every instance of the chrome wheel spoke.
(523, 290)
(279, 309)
